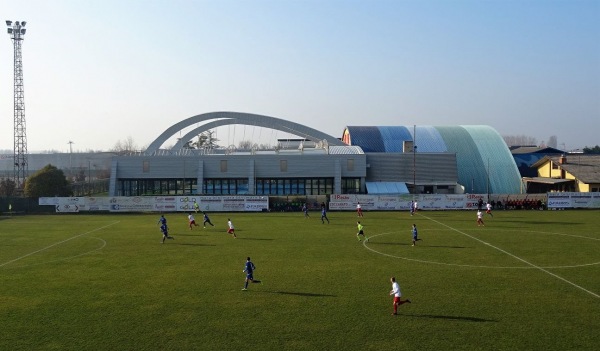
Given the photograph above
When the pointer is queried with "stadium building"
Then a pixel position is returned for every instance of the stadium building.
(374, 160)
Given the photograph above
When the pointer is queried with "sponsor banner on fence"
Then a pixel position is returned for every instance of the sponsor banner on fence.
(573, 200)
(345, 202)
(131, 204)
(157, 203)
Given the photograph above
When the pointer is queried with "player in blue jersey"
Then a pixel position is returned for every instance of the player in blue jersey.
(415, 235)
(324, 214)
(305, 210)
(249, 270)
(162, 220)
(206, 220)
(165, 232)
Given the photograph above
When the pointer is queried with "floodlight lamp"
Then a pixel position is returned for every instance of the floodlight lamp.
(23, 31)
(9, 23)
(9, 30)
(23, 23)
(17, 23)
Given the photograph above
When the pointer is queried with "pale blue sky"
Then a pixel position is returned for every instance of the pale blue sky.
(96, 72)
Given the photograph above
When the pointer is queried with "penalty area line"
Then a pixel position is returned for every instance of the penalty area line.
(58, 243)
(515, 257)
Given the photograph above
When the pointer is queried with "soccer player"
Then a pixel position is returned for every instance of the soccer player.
(397, 294)
(206, 220)
(324, 215)
(196, 206)
(412, 207)
(415, 235)
(249, 270)
(480, 219)
(162, 220)
(359, 210)
(231, 229)
(305, 210)
(360, 231)
(165, 232)
(488, 210)
(192, 221)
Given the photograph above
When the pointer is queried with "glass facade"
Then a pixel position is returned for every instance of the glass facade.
(141, 187)
(350, 185)
(240, 186)
(294, 186)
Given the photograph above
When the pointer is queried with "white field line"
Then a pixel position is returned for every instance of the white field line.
(515, 257)
(58, 243)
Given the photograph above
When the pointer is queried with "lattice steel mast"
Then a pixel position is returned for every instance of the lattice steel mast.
(17, 32)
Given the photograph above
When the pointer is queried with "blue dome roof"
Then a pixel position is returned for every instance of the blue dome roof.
(481, 154)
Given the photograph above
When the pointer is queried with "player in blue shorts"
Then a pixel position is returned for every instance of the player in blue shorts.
(415, 235)
(165, 231)
(249, 270)
(324, 215)
(305, 210)
(206, 220)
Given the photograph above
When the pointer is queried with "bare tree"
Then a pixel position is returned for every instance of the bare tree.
(7, 187)
(246, 145)
(124, 146)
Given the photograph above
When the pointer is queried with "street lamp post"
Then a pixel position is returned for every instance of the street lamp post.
(414, 161)
(70, 158)
(89, 178)
(488, 180)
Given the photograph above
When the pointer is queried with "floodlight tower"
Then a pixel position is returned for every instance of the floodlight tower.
(17, 32)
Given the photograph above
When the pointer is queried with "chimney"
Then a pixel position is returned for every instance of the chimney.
(562, 159)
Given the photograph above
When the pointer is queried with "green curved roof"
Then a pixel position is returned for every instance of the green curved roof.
(482, 156)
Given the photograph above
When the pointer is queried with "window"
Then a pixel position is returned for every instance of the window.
(223, 166)
(146, 167)
(350, 185)
(350, 164)
(283, 165)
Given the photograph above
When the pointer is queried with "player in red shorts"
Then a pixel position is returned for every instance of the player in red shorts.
(397, 294)
(192, 221)
(359, 210)
(231, 229)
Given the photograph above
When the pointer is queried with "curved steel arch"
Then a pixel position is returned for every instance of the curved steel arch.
(228, 118)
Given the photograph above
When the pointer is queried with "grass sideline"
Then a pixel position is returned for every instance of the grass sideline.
(528, 280)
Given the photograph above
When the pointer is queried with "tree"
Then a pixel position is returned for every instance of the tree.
(125, 146)
(553, 141)
(48, 181)
(206, 140)
(519, 140)
(7, 187)
(592, 150)
(246, 145)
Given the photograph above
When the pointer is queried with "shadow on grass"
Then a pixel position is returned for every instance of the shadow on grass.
(254, 238)
(297, 293)
(456, 318)
(410, 244)
(190, 244)
(197, 235)
(447, 247)
(553, 223)
(389, 243)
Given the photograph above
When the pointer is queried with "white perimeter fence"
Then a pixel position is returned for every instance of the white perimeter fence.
(337, 202)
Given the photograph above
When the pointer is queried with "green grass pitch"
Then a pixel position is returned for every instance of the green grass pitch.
(528, 280)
